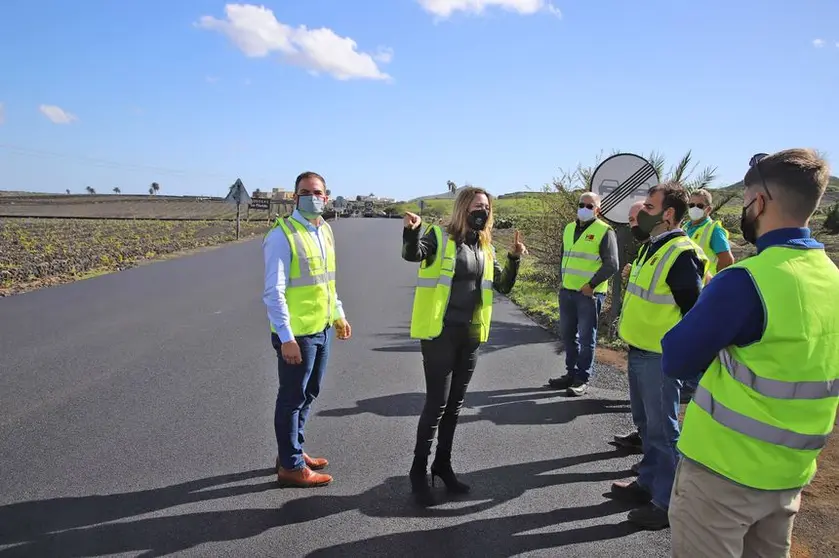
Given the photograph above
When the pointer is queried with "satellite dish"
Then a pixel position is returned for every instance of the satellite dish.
(622, 180)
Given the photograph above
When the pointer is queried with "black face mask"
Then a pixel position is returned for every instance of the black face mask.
(748, 226)
(478, 219)
(639, 235)
(648, 222)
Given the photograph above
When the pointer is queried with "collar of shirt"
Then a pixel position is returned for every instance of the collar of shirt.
(665, 234)
(692, 228)
(299, 217)
(794, 237)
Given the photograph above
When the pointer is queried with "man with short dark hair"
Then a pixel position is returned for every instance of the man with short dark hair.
(764, 335)
(303, 311)
(664, 283)
(589, 259)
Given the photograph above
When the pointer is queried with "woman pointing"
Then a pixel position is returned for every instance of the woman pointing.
(451, 317)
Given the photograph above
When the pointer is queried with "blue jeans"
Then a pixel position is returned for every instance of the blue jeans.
(654, 402)
(299, 387)
(578, 316)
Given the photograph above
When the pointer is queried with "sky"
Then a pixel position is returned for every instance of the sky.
(395, 97)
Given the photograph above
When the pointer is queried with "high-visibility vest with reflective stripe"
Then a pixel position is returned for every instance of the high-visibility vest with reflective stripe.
(702, 237)
(310, 288)
(581, 259)
(762, 413)
(649, 310)
(434, 283)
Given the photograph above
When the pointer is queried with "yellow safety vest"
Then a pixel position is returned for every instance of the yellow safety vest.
(310, 290)
(649, 310)
(702, 237)
(434, 282)
(762, 413)
(581, 259)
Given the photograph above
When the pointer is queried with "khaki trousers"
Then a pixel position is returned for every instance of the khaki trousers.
(712, 517)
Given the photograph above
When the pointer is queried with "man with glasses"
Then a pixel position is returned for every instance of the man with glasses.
(589, 259)
(710, 235)
(764, 335)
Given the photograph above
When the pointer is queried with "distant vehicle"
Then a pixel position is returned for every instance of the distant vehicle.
(368, 213)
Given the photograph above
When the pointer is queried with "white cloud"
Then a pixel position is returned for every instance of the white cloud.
(818, 43)
(2, 113)
(257, 33)
(57, 114)
(445, 8)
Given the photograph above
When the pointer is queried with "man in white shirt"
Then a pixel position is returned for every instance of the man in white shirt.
(304, 312)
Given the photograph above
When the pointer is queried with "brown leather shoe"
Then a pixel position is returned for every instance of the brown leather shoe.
(302, 478)
(313, 463)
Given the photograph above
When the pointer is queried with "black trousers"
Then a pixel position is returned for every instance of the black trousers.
(449, 361)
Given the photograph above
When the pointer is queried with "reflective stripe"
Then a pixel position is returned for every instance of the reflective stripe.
(586, 274)
(486, 284)
(778, 389)
(704, 240)
(310, 280)
(432, 283)
(649, 294)
(581, 255)
(754, 428)
(307, 278)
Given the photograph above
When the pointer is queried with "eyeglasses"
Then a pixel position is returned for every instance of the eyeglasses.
(754, 162)
(586, 205)
(699, 205)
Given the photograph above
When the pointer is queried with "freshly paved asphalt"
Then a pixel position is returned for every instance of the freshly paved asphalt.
(137, 415)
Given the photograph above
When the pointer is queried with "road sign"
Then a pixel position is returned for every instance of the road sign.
(260, 203)
(622, 180)
(238, 194)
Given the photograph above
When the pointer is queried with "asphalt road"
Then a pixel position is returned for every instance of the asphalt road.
(137, 415)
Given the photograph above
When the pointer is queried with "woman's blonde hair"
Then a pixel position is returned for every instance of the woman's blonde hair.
(458, 224)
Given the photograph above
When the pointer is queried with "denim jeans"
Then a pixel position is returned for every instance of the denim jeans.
(299, 387)
(654, 402)
(578, 316)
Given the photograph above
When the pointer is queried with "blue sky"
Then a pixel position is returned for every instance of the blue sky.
(503, 98)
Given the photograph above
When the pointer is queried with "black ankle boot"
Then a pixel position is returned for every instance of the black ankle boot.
(419, 484)
(442, 468)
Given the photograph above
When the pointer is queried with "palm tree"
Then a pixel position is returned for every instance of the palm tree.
(117, 190)
(90, 189)
(68, 191)
(155, 188)
(151, 190)
(451, 185)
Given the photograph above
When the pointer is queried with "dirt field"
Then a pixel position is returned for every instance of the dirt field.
(41, 252)
(119, 206)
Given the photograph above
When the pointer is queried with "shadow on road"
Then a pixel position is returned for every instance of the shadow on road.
(500, 537)
(70, 527)
(503, 335)
(515, 406)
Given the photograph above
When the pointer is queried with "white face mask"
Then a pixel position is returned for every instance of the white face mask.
(696, 214)
(585, 214)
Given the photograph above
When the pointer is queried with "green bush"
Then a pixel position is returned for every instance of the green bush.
(831, 220)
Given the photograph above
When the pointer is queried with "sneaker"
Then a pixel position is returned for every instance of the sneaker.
(563, 382)
(649, 517)
(631, 492)
(577, 388)
(630, 441)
